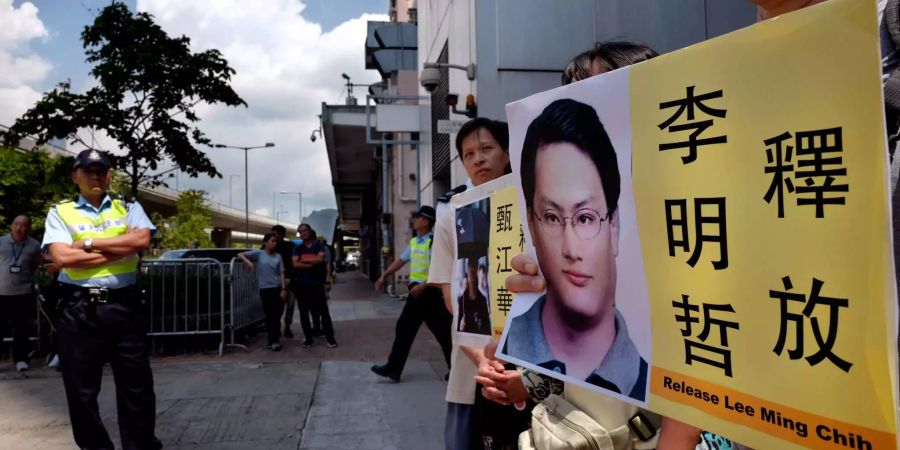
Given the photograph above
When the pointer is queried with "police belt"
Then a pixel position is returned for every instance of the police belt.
(98, 296)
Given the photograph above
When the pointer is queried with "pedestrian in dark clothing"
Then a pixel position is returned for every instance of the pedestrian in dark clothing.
(309, 285)
(20, 255)
(423, 304)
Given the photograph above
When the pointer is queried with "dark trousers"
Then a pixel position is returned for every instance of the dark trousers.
(91, 335)
(496, 426)
(429, 308)
(273, 307)
(311, 301)
(289, 309)
(17, 313)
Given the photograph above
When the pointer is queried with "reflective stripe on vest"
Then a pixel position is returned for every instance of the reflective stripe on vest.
(109, 223)
(419, 258)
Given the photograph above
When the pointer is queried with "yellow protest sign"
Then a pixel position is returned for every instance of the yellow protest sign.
(506, 242)
(714, 230)
(783, 311)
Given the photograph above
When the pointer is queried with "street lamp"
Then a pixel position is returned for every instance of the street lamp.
(279, 213)
(246, 182)
(300, 196)
(230, 182)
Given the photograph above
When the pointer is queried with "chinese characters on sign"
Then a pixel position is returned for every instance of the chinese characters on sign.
(507, 241)
(826, 343)
(817, 169)
(704, 351)
(687, 106)
(677, 217)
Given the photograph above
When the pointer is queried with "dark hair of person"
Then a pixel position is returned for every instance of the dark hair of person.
(312, 232)
(268, 236)
(498, 129)
(610, 55)
(279, 229)
(576, 123)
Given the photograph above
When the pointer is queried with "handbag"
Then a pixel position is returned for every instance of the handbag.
(556, 424)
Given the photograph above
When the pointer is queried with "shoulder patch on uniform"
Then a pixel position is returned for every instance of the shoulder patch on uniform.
(446, 197)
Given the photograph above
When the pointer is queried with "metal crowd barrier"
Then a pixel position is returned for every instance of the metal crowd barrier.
(185, 297)
(246, 307)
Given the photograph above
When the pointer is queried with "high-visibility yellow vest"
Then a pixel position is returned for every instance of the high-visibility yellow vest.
(419, 259)
(109, 223)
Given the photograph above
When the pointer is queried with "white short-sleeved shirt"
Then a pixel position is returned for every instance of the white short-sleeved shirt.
(461, 386)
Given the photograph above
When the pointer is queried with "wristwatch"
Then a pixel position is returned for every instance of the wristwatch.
(89, 245)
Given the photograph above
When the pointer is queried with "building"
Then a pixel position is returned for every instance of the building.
(518, 47)
(371, 143)
(487, 53)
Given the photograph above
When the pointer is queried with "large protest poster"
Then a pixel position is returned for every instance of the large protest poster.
(752, 186)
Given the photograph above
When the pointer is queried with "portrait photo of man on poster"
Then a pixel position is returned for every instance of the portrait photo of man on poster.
(571, 184)
(472, 291)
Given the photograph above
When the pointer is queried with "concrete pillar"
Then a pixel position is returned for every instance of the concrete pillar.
(221, 237)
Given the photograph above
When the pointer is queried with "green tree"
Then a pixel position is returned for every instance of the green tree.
(148, 84)
(30, 182)
(190, 224)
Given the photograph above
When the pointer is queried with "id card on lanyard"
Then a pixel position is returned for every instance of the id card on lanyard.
(16, 266)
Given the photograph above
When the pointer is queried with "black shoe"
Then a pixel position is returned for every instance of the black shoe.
(307, 344)
(385, 372)
(287, 333)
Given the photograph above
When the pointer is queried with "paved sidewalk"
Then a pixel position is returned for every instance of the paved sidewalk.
(202, 406)
(355, 410)
(316, 398)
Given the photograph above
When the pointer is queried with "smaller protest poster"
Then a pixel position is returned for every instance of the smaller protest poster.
(475, 218)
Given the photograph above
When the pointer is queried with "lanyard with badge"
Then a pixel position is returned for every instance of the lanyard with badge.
(16, 267)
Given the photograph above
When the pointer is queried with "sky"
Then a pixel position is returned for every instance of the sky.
(288, 54)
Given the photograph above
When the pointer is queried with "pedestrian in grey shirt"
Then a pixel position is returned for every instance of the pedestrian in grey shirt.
(269, 269)
(20, 255)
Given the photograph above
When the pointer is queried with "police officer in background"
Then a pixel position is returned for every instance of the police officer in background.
(424, 303)
(96, 239)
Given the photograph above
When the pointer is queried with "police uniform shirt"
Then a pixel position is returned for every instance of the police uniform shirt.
(56, 231)
(18, 260)
(407, 254)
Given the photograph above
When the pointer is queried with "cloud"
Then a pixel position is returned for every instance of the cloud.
(286, 67)
(20, 67)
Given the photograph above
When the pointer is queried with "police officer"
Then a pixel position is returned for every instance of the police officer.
(95, 239)
(424, 303)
